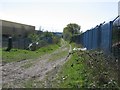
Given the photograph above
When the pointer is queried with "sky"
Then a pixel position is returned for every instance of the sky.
(54, 15)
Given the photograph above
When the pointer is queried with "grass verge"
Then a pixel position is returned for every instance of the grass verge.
(16, 55)
(70, 76)
(88, 69)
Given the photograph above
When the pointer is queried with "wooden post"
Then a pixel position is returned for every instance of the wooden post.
(9, 44)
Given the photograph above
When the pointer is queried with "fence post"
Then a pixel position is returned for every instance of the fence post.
(9, 44)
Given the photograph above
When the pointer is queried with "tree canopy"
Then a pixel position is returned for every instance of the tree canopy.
(70, 31)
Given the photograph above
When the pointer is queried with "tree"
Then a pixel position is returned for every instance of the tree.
(48, 34)
(70, 30)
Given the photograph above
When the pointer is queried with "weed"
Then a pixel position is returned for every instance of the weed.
(88, 69)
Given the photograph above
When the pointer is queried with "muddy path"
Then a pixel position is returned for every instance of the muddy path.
(15, 74)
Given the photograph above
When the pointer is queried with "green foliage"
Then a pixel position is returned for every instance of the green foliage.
(48, 34)
(88, 69)
(56, 39)
(34, 37)
(70, 30)
(74, 38)
(67, 35)
(70, 75)
(45, 38)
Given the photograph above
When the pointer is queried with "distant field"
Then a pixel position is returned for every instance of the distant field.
(17, 54)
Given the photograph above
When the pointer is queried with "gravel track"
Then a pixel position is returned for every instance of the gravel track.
(13, 74)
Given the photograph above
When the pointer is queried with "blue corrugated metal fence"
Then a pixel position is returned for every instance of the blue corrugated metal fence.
(99, 37)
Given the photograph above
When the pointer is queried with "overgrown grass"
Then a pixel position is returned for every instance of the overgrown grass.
(88, 69)
(16, 55)
(71, 75)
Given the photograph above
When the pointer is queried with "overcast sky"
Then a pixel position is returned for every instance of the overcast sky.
(54, 15)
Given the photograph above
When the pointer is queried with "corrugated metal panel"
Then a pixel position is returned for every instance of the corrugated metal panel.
(85, 35)
(106, 37)
(87, 38)
(94, 44)
(82, 39)
(98, 38)
(90, 39)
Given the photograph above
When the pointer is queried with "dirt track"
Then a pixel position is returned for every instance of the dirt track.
(14, 74)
